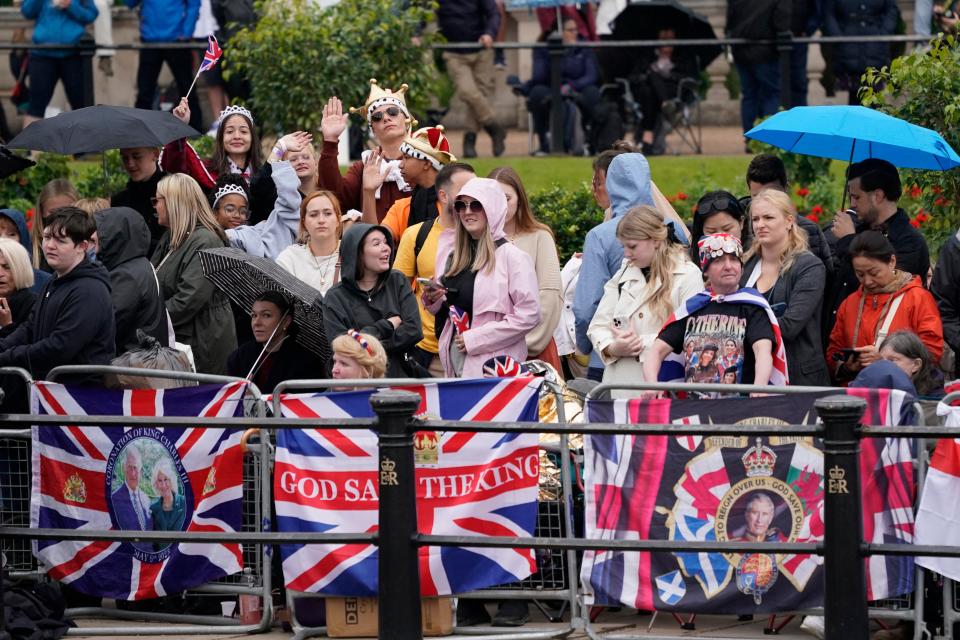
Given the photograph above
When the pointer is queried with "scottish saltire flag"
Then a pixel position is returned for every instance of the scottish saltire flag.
(735, 488)
(673, 368)
(211, 56)
(138, 477)
(467, 484)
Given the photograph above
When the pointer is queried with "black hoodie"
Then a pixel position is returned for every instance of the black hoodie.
(72, 323)
(124, 243)
(136, 195)
(346, 306)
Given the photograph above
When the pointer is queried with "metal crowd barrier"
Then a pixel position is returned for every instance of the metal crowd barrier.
(907, 607)
(557, 575)
(15, 484)
(255, 579)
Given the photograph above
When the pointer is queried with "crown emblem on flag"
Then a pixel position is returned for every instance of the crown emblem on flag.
(74, 489)
(426, 447)
(759, 460)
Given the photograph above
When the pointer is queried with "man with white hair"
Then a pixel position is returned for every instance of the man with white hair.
(130, 504)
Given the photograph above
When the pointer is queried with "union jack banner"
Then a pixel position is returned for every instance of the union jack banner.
(137, 477)
(460, 319)
(467, 484)
(735, 488)
(211, 56)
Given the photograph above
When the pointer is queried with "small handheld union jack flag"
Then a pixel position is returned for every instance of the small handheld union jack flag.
(460, 320)
(212, 55)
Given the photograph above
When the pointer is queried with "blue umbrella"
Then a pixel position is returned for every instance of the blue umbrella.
(855, 133)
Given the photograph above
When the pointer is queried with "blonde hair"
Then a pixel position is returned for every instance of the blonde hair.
(797, 241)
(92, 205)
(486, 256)
(187, 207)
(19, 262)
(54, 188)
(646, 223)
(375, 366)
(304, 237)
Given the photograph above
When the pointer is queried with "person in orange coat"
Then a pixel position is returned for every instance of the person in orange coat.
(888, 300)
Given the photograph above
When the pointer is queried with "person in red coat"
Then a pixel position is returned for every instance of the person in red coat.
(888, 300)
(374, 183)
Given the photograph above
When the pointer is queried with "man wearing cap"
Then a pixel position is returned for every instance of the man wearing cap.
(382, 183)
(722, 313)
(425, 152)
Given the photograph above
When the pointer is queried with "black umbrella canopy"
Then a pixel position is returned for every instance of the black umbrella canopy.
(642, 20)
(11, 163)
(101, 128)
(243, 278)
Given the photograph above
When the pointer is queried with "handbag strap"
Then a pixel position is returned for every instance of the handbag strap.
(888, 320)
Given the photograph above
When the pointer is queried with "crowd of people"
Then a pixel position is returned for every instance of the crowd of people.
(442, 269)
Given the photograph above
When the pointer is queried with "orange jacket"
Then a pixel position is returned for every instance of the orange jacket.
(398, 218)
(917, 313)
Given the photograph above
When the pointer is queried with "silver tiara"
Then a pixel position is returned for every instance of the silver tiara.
(226, 190)
(234, 109)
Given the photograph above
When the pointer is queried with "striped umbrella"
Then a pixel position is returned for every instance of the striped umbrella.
(243, 278)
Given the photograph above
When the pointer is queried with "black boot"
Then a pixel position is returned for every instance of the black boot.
(498, 136)
(511, 613)
(470, 145)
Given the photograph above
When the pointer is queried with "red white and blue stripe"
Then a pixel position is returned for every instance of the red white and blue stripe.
(467, 484)
(211, 56)
(72, 487)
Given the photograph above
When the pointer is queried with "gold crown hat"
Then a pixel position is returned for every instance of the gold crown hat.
(429, 144)
(380, 96)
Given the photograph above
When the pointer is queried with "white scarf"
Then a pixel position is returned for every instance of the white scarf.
(390, 169)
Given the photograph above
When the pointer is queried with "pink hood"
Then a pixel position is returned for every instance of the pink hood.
(490, 195)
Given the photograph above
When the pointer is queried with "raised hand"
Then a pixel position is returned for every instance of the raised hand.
(295, 142)
(372, 174)
(334, 121)
(182, 111)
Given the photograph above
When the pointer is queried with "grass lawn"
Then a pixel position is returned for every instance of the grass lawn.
(671, 173)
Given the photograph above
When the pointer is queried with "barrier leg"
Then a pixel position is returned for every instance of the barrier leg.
(398, 573)
(845, 599)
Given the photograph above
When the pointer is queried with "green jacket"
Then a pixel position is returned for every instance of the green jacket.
(200, 313)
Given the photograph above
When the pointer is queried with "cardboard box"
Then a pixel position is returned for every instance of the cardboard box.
(357, 617)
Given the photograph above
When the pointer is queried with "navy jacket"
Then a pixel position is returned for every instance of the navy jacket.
(579, 68)
(467, 20)
(72, 323)
(860, 18)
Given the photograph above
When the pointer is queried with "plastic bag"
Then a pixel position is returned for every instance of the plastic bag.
(154, 356)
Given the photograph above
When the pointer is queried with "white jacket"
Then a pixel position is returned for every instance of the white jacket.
(624, 299)
(565, 333)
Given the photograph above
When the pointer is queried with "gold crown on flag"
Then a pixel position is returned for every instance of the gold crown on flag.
(759, 460)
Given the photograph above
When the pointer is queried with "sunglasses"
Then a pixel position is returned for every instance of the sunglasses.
(393, 112)
(460, 206)
(720, 204)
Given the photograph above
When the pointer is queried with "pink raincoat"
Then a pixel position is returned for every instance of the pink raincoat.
(506, 300)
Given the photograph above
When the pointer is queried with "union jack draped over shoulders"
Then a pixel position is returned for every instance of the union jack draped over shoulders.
(672, 369)
(117, 478)
(467, 484)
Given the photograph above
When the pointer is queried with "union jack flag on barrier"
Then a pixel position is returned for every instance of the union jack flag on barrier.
(138, 477)
(735, 488)
(211, 56)
(467, 484)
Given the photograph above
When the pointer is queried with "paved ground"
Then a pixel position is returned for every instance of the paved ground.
(615, 626)
(715, 141)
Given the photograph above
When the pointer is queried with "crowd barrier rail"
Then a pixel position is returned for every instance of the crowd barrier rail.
(846, 611)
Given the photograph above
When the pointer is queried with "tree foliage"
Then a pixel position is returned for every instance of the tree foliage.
(924, 88)
(298, 55)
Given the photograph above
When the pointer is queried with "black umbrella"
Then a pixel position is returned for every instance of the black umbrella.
(642, 20)
(11, 163)
(244, 278)
(100, 128)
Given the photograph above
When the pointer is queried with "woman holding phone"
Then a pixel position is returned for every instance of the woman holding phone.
(655, 278)
(887, 300)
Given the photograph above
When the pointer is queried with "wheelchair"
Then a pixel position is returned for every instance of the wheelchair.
(680, 114)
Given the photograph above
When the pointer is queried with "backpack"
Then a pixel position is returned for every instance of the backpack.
(34, 611)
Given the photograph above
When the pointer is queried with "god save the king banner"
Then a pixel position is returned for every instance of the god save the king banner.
(137, 478)
(735, 488)
(467, 484)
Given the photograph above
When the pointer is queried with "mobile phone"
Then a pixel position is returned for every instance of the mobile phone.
(845, 354)
(427, 283)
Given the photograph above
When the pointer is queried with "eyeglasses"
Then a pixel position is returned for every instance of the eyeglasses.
(156, 199)
(460, 206)
(232, 209)
(393, 112)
